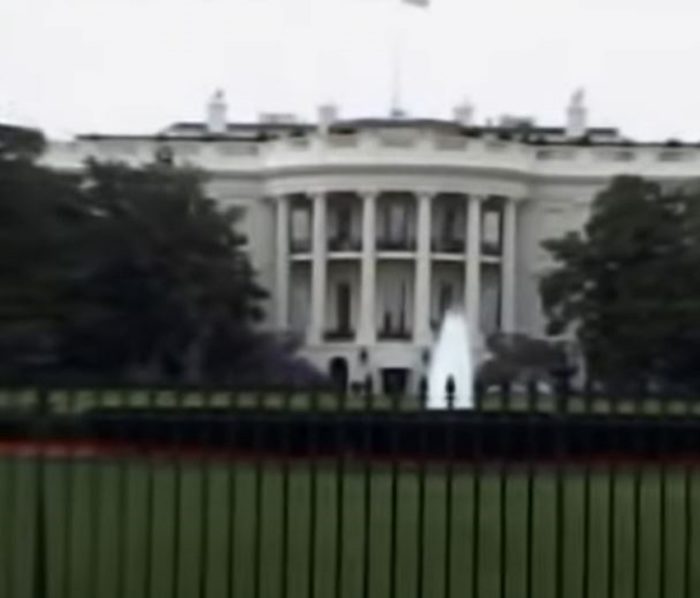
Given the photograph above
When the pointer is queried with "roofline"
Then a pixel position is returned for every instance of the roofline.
(517, 137)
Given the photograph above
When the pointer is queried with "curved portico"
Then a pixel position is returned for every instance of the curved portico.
(358, 271)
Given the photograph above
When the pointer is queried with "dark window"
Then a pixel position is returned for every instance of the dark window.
(445, 298)
(343, 223)
(491, 230)
(343, 307)
(301, 228)
(339, 374)
(402, 308)
(449, 223)
(396, 223)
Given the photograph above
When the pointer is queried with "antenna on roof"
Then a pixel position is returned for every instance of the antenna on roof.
(395, 110)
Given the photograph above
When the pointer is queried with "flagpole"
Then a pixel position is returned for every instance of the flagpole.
(397, 59)
(396, 109)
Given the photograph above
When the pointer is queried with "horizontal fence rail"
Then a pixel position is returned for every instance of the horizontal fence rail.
(226, 493)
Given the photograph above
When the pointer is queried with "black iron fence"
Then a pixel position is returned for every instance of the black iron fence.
(203, 492)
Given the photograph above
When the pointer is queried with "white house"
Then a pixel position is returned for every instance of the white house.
(365, 231)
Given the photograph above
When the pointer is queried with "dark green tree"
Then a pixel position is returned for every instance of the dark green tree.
(520, 358)
(166, 288)
(126, 273)
(628, 285)
(38, 222)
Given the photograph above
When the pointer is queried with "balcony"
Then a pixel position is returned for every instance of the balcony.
(344, 244)
(300, 245)
(396, 244)
(394, 334)
(448, 245)
(394, 328)
(339, 335)
(491, 248)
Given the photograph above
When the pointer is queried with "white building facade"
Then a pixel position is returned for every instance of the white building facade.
(366, 231)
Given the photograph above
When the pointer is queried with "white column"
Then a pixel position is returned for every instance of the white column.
(472, 275)
(318, 274)
(508, 265)
(421, 300)
(282, 263)
(368, 294)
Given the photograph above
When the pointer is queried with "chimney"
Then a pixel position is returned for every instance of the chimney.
(216, 114)
(327, 115)
(577, 115)
(464, 113)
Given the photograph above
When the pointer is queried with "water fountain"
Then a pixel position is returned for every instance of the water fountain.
(452, 358)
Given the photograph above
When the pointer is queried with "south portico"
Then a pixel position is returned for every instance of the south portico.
(367, 296)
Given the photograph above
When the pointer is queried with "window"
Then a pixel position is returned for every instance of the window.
(490, 299)
(343, 223)
(395, 320)
(624, 156)
(300, 302)
(445, 298)
(449, 223)
(301, 226)
(396, 222)
(671, 156)
(402, 307)
(343, 307)
(491, 230)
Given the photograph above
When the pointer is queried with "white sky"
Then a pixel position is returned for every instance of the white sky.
(135, 66)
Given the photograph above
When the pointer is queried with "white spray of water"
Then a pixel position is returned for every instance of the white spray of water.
(452, 359)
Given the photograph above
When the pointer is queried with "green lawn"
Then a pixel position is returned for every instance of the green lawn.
(91, 508)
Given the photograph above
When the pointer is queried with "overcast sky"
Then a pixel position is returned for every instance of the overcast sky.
(72, 66)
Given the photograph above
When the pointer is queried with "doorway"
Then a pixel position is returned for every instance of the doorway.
(395, 381)
(339, 375)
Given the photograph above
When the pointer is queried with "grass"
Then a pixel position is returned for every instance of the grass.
(139, 528)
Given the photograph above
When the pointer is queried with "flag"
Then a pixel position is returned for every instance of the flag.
(420, 3)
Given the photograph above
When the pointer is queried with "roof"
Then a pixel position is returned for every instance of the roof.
(249, 126)
(247, 132)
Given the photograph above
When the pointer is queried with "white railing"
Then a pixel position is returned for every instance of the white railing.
(388, 148)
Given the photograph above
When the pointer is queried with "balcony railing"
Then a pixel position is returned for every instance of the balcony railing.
(491, 248)
(392, 334)
(300, 245)
(404, 244)
(340, 334)
(344, 244)
(448, 245)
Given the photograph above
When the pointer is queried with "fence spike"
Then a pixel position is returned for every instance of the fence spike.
(505, 394)
(451, 388)
(423, 391)
(479, 391)
(368, 386)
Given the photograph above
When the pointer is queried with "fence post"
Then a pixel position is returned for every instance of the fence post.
(476, 454)
(504, 418)
(422, 456)
(449, 483)
(561, 414)
(531, 453)
(340, 492)
(367, 485)
(39, 433)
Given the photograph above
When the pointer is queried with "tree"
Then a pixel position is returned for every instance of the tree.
(628, 284)
(520, 358)
(38, 215)
(167, 287)
(127, 273)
